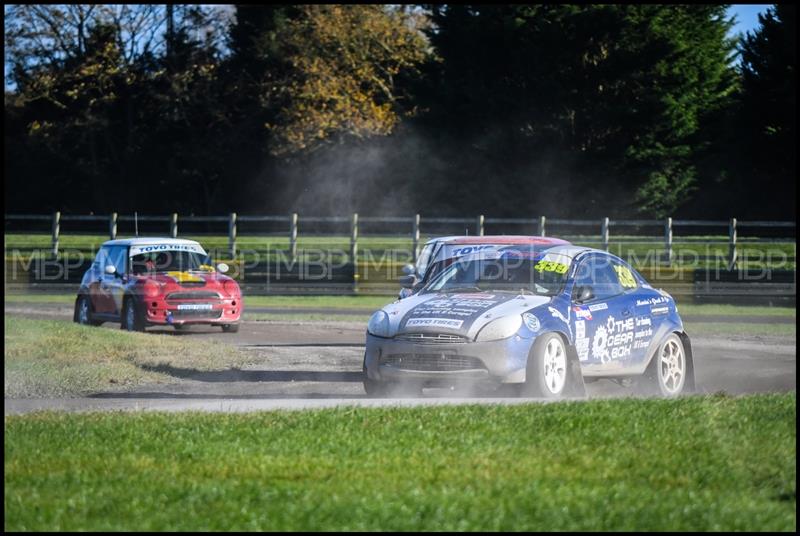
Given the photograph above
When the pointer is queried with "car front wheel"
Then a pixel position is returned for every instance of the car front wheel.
(547, 370)
(132, 319)
(230, 328)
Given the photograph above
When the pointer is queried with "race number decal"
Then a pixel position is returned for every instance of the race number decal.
(551, 266)
(625, 276)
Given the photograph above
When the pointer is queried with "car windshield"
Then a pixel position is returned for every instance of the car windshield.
(543, 274)
(170, 261)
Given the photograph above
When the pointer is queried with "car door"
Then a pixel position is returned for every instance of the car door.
(113, 285)
(99, 292)
(603, 324)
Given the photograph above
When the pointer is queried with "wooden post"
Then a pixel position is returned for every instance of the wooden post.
(732, 254)
(668, 241)
(604, 233)
(415, 238)
(112, 226)
(480, 225)
(232, 235)
(56, 228)
(173, 225)
(293, 236)
(354, 250)
(541, 226)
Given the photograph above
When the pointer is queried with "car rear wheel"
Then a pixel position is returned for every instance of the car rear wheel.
(546, 375)
(83, 312)
(132, 318)
(230, 328)
(666, 374)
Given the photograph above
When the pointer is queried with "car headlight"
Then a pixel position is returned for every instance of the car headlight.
(502, 328)
(379, 324)
(231, 287)
(152, 288)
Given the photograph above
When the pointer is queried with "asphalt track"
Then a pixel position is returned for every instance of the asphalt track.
(299, 365)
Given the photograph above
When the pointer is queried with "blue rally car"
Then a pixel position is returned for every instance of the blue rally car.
(544, 318)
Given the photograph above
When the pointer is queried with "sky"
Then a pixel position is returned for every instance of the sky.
(746, 16)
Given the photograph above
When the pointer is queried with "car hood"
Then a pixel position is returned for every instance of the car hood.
(460, 313)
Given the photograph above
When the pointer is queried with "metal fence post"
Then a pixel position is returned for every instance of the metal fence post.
(604, 233)
(415, 238)
(232, 235)
(173, 225)
(541, 226)
(112, 226)
(668, 241)
(480, 225)
(732, 254)
(56, 228)
(293, 236)
(354, 250)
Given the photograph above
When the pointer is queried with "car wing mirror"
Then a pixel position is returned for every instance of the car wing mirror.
(408, 281)
(222, 268)
(584, 294)
(409, 269)
(110, 269)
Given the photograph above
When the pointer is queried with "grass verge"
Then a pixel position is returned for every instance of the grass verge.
(53, 358)
(740, 328)
(699, 463)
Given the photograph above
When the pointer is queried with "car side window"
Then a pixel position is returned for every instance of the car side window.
(598, 272)
(101, 259)
(118, 256)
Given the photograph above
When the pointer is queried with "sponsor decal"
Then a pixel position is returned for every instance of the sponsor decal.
(613, 340)
(659, 310)
(434, 322)
(464, 309)
(551, 266)
(531, 321)
(580, 312)
(466, 250)
(581, 340)
(598, 307)
(651, 301)
(149, 248)
(643, 321)
(557, 314)
(642, 334)
(625, 276)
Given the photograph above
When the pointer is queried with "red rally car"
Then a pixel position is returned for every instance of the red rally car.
(140, 282)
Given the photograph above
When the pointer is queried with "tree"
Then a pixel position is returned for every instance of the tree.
(769, 110)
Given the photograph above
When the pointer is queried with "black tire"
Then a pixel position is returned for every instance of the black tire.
(547, 374)
(131, 311)
(230, 328)
(180, 327)
(83, 312)
(668, 370)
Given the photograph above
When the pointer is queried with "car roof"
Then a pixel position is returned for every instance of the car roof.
(138, 241)
(506, 239)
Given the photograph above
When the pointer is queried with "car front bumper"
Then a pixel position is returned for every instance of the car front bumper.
(393, 360)
(162, 312)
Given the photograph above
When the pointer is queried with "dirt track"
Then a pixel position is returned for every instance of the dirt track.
(315, 364)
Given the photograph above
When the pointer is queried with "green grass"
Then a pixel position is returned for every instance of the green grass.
(734, 310)
(740, 328)
(53, 358)
(695, 464)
